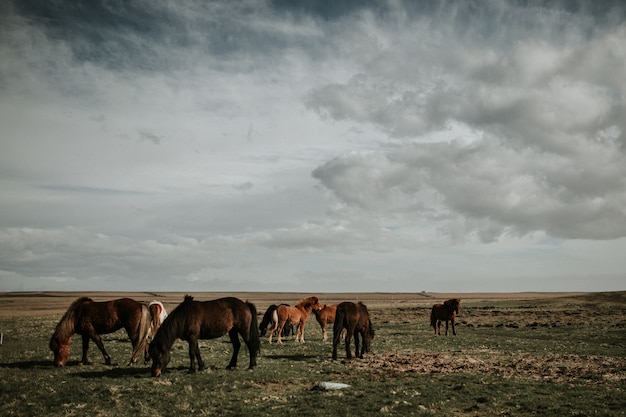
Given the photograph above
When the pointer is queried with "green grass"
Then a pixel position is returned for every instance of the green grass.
(491, 368)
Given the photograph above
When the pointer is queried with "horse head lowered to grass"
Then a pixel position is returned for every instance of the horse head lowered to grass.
(90, 319)
(194, 320)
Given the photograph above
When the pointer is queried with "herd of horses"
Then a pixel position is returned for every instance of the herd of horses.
(153, 332)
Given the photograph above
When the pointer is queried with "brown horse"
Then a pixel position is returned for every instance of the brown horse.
(194, 320)
(90, 319)
(446, 311)
(270, 322)
(324, 316)
(295, 315)
(356, 320)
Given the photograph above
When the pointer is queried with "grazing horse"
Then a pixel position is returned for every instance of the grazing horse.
(324, 316)
(356, 320)
(446, 311)
(270, 319)
(90, 319)
(296, 316)
(194, 320)
(157, 315)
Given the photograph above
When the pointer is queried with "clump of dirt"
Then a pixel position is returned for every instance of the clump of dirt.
(557, 368)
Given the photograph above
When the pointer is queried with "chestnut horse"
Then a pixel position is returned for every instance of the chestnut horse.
(324, 316)
(194, 320)
(356, 320)
(157, 315)
(446, 311)
(90, 319)
(295, 315)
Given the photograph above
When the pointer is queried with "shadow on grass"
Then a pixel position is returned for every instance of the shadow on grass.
(28, 365)
(297, 357)
(115, 373)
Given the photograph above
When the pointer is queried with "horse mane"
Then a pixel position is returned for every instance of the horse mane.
(370, 328)
(170, 328)
(309, 301)
(65, 327)
(452, 301)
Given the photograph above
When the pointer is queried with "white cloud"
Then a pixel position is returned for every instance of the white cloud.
(244, 145)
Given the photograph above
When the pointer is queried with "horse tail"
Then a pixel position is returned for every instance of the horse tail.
(433, 317)
(254, 345)
(267, 318)
(158, 313)
(340, 318)
(143, 330)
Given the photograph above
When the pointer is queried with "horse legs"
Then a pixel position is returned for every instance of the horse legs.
(438, 328)
(279, 331)
(453, 327)
(84, 360)
(336, 341)
(357, 345)
(349, 335)
(194, 353)
(234, 339)
(300, 332)
(324, 335)
(96, 338)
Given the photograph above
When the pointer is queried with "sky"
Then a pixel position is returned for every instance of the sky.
(312, 146)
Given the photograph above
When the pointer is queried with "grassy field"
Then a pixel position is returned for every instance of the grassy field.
(518, 354)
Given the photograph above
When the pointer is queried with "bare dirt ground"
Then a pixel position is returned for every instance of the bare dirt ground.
(55, 303)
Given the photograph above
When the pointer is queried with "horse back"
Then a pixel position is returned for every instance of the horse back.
(352, 316)
(215, 318)
(106, 316)
(328, 313)
(289, 314)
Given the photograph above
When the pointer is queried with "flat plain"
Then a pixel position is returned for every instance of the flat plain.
(515, 354)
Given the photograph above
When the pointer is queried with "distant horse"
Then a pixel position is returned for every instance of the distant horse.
(270, 320)
(157, 315)
(356, 320)
(446, 311)
(90, 319)
(194, 320)
(324, 316)
(295, 315)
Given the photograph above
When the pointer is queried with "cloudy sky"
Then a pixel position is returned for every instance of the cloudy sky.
(313, 146)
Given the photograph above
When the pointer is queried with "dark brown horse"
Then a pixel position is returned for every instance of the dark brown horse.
(324, 316)
(90, 319)
(295, 315)
(194, 320)
(446, 311)
(356, 320)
